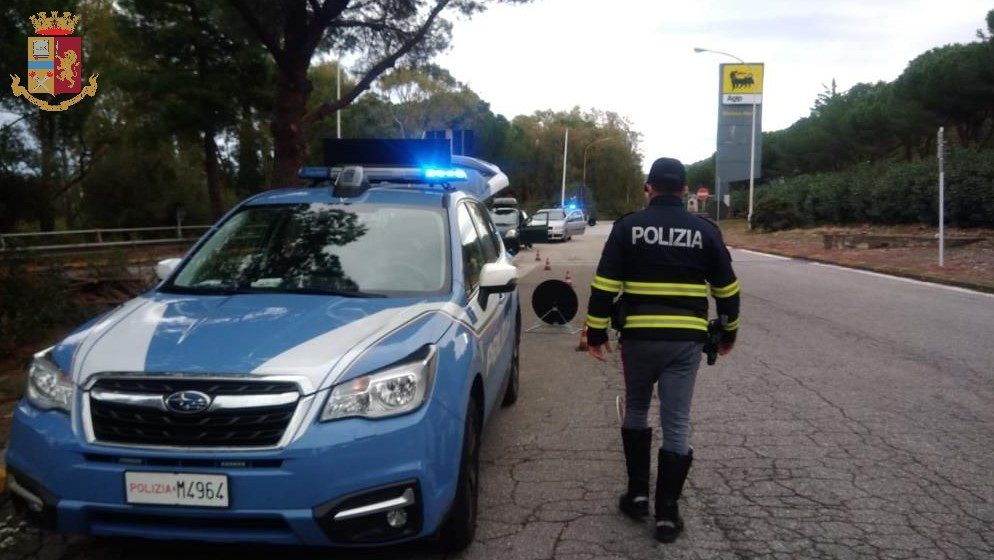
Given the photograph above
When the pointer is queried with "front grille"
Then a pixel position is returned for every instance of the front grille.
(124, 422)
(212, 387)
(184, 462)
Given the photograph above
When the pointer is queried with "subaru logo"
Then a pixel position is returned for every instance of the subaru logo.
(188, 401)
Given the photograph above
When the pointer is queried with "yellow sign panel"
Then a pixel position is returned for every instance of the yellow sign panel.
(741, 79)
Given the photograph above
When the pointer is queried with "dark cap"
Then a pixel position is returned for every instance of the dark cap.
(667, 173)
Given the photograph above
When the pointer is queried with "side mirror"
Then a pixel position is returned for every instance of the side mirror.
(496, 278)
(165, 267)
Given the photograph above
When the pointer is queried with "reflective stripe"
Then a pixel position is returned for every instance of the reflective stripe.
(666, 322)
(725, 291)
(597, 322)
(733, 326)
(666, 289)
(606, 284)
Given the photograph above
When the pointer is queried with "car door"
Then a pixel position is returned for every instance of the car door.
(575, 223)
(493, 325)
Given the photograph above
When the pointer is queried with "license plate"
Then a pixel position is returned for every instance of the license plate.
(176, 489)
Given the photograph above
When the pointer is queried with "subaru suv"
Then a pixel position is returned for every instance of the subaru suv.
(316, 370)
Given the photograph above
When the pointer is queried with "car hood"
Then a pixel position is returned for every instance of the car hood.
(310, 338)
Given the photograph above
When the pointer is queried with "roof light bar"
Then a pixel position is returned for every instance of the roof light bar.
(437, 175)
(317, 173)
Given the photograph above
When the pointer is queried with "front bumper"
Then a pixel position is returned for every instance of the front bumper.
(296, 495)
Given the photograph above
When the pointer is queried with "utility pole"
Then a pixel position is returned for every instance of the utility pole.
(562, 200)
(942, 194)
(338, 91)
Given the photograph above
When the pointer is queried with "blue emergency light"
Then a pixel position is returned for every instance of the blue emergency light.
(315, 173)
(432, 174)
(571, 207)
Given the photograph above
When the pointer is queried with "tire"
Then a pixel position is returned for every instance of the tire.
(459, 528)
(513, 384)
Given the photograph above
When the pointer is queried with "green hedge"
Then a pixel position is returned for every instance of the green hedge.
(884, 193)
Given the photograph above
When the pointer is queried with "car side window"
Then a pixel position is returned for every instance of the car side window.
(489, 236)
(473, 257)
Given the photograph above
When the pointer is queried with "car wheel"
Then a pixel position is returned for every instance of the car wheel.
(459, 529)
(511, 393)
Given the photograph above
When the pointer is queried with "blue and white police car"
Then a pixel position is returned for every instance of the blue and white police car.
(316, 370)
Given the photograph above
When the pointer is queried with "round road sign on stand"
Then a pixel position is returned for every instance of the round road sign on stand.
(555, 303)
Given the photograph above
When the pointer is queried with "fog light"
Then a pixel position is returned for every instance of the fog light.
(397, 518)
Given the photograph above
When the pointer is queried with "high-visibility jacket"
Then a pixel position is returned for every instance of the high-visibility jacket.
(664, 262)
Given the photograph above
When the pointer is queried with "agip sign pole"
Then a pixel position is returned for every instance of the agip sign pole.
(742, 84)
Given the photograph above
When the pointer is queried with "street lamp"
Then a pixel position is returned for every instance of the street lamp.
(752, 144)
(587, 147)
(585, 156)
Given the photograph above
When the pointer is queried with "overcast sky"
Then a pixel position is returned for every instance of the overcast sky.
(636, 58)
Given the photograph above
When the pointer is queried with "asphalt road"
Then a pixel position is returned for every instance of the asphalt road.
(854, 419)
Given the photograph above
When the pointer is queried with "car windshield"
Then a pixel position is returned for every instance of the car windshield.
(505, 217)
(355, 250)
(554, 214)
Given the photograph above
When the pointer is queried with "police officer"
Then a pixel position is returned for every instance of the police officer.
(663, 261)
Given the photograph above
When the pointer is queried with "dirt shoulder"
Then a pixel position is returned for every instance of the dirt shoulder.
(970, 265)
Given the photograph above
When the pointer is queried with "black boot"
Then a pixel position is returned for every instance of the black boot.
(671, 475)
(638, 446)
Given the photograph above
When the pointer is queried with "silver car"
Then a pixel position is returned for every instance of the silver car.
(563, 225)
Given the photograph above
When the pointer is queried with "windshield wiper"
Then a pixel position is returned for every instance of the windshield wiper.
(342, 293)
(246, 289)
(204, 290)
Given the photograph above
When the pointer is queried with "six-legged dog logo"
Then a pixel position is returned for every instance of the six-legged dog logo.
(741, 79)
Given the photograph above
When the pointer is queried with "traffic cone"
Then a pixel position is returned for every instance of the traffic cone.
(568, 279)
(583, 346)
(538, 257)
(547, 265)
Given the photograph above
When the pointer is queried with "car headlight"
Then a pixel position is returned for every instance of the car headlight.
(48, 386)
(398, 389)
(512, 233)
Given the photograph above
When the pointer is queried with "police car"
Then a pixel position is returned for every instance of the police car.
(317, 370)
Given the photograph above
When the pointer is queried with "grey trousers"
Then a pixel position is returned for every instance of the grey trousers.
(672, 365)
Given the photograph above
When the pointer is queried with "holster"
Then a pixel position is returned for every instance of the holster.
(715, 332)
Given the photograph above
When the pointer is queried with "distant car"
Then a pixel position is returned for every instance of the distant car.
(562, 224)
(316, 371)
(509, 220)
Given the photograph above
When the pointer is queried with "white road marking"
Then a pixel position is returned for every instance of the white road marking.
(907, 280)
(778, 257)
(877, 274)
